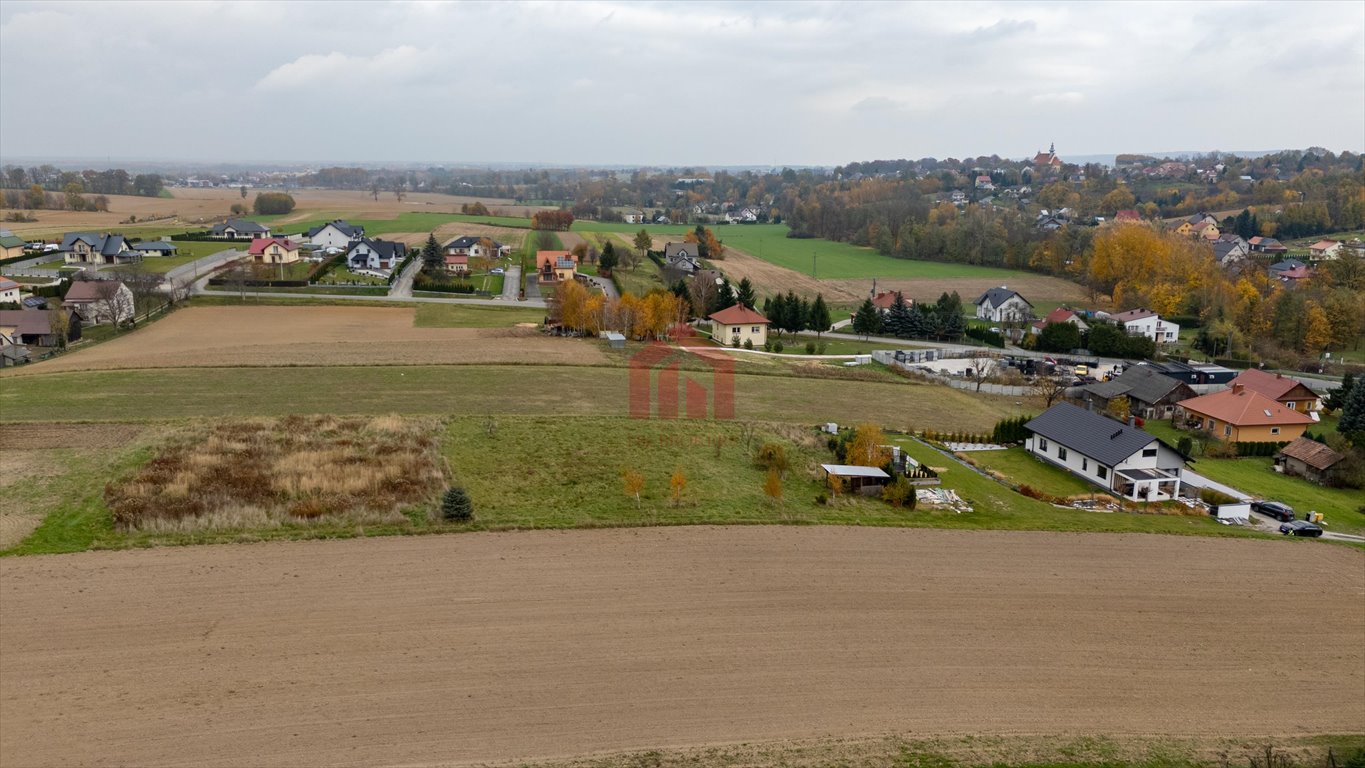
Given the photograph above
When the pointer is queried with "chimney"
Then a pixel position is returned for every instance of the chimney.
(1237, 389)
(1132, 420)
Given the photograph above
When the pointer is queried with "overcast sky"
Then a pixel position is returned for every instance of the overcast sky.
(676, 84)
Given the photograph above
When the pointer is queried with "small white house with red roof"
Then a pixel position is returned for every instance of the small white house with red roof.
(733, 326)
(274, 250)
(1325, 249)
(9, 291)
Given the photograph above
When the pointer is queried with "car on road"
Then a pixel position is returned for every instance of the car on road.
(1282, 512)
(1300, 528)
(497, 271)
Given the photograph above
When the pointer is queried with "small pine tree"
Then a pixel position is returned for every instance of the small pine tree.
(432, 260)
(456, 506)
(745, 294)
(819, 315)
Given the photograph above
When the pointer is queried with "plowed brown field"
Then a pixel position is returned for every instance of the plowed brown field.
(313, 335)
(442, 650)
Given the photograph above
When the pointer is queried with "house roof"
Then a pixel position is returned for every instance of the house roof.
(1242, 407)
(1140, 382)
(87, 290)
(240, 225)
(849, 470)
(7, 284)
(545, 258)
(1222, 249)
(259, 244)
(674, 251)
(1323, 245)
(1297, 273)
(1127, 215)
(459, 258)
(105, 245)
(1286, 265)
(26, 322)
(887, 299)
(341, 225)
(11, 241)
(469, 241)
(738, 315)
(154, 245)
(1312, 453)
(998, 296)
(1090, 434)
(386, 249)
(1272, 385)
(1133, 314)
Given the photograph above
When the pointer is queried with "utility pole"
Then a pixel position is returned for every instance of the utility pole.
(814, 272)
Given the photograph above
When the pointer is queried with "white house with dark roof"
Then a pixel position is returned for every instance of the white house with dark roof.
(155, 248)
(682, 256)
(1145, 322)
(90, 248)
(337, 233)
(1001, 305)
(1110, 454)
(381, 255)
(474, 247)
(238, 229)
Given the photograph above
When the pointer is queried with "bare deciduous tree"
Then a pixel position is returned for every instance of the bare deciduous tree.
(982, 368)
(1049, 389)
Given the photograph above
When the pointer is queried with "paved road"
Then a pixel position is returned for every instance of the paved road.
(607, 287)
(202, 266)
(511, 283)
(402, 287)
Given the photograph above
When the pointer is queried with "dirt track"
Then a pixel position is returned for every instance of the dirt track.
(431, 651)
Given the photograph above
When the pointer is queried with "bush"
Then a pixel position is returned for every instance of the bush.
(777, 346)
(810, 347)
(1214, 497)
(748, 343)
(270, 203)
(772, 457)
(456, 506)
(820, 348)
(1185, 445)
(768, 346)
(821, 499)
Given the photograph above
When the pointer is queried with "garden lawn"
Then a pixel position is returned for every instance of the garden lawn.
(1253, 475)
(159, 264)
(201, 248)
(470, 316)
(1016, 464)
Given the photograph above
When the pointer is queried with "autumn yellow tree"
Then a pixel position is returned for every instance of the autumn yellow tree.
(633, 483)
(676, 485)
(1317, 333)
(866, 448)
(772, 486)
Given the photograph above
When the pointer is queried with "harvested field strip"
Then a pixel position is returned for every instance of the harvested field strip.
(173, 393)
(574, 643)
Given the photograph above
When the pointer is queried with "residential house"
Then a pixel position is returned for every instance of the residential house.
(984, 182)
(1325, 249)
(884, 300)
(733, 326)
(1268, 245)
(682, 257)
(1128, 216)
(1115, 456)
(336, 233)
(1051, 223)
(1230, 249)
(457, 264)
(9, 291)
(1280, 267)
(1241, 415)
(19, 327)
(1001, 305)
(379, 255)
(1145, 322)
(1060, 315)
(556, 266)
(1199, 225)
(11, 245)
(274, 250)
(1291, 393)
(476, 247)
(90, 248)
(155, 248)
(239, 229)
(1150, 394)
(99, 301)
(745, 215)
(1308, 459)
(633, 216)
(1290, 272)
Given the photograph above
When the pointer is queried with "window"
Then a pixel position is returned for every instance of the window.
(1103, 472)
(754, 329)
(1042, 444)
(1061, 453)
(1148, 453)
(1274, 430)
(1289, 405)
(1085, 464)
(1227, 430)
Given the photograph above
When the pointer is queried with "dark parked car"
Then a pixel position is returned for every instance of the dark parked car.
(1282, 512)
(1300, 528)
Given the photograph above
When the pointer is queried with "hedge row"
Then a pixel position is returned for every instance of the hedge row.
(1258, 449)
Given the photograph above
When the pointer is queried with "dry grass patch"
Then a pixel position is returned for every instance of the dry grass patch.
(267, 473)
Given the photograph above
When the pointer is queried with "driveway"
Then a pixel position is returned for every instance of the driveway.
(402, 287)
(607, 287)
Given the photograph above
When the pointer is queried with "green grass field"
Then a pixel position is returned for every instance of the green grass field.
(1023, 469)
(470, 316)
(1254, 475)
(414, 221)
(159, 264)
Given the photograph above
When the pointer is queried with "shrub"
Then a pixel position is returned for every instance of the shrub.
(821, 499)
(748, 343)
(777, 346)
(268, 203)
(768, 346)
(899, 493)
(810, 347)
(820, 348)
(456, 506)
(772, 457)
(1215, 497)
(1185, 445)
